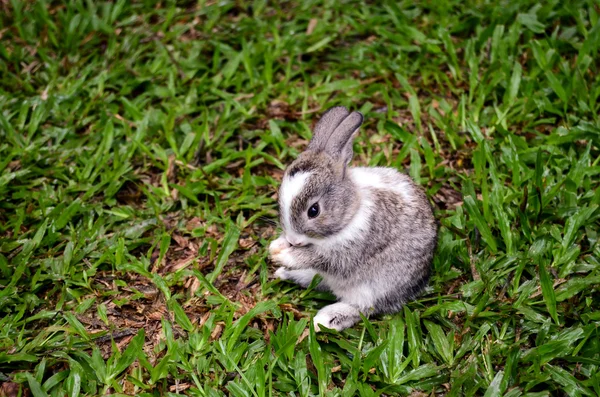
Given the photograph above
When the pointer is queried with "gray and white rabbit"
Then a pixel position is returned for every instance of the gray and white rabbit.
(368, 231)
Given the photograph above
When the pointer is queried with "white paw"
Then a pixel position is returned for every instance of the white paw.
(284, 258)
(322, 319)
(278, 245)
(282, 273)
(338, 316)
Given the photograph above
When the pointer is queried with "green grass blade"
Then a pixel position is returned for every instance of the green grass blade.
(480, 223)
(34, 386)
(548, 292)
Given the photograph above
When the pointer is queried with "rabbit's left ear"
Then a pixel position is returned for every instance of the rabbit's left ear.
(339, 144)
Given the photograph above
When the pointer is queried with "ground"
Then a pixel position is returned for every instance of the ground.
(141, 146)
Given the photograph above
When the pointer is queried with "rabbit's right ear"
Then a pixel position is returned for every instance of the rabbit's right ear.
(330, 120)
(335, 132)
(339, 144)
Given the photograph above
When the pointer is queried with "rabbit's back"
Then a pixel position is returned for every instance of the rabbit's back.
(390, 263)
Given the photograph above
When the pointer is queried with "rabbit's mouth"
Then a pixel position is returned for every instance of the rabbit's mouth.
(296, 241)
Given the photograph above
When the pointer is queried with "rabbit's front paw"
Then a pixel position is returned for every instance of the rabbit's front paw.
(285, 258)
(278, 245)
(282, 273)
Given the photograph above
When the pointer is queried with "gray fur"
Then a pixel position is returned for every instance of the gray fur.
(334, 133)
(374, 266)
(339, 145)
(329, 121)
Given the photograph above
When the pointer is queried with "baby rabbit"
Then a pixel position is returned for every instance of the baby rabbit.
(369, 232)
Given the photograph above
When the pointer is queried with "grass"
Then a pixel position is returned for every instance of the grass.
(141, 146)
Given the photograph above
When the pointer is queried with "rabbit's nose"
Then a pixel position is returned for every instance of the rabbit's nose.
(295, 241)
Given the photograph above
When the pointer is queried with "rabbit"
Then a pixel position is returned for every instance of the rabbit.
(369, 232)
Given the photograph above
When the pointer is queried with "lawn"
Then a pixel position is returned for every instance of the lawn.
(142, 145)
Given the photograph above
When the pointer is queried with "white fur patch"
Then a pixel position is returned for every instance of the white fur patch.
(362, 296)
(278, 245)
(338, 316)
(282, 273)
(381, 178)
(285, 258)
(290, 188)
(301, 276)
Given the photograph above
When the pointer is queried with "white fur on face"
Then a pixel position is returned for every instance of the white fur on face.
(290, 188)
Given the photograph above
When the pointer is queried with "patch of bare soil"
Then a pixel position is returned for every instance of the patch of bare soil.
(140, 304)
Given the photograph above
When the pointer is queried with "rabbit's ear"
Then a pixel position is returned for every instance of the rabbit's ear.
(329, 121)
(335, 132)
(339, 145)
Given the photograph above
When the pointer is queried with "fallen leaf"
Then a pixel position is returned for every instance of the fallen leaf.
(246, 243)
(176, 388)
(194, 286)
(194, 223)
(128, 387)
(312, 24)
(417, 393)
(216, 333)
(10, 389)
(305, 333)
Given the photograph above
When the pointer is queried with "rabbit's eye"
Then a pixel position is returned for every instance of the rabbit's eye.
(313, 211)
